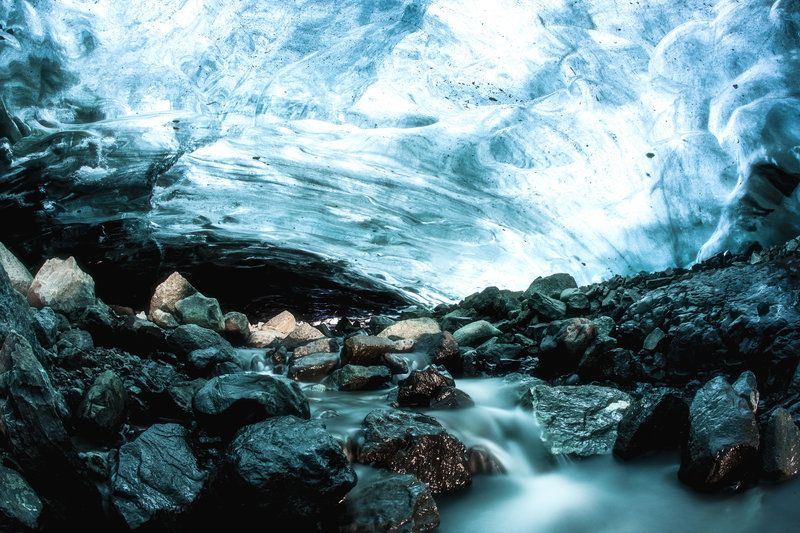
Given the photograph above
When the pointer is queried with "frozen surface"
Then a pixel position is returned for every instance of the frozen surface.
(435, 147)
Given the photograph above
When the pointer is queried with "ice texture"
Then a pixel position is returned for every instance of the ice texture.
(435, 147)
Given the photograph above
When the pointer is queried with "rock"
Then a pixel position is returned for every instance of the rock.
(389, 502)
(63, 286)
(658, 420)
(185, 339)
(450, 398)
(563, 345)
(413, 443)
(493, 303)
(747, 387)
(653, 339)
(206, 360)
(476, 333)
(396, 363)
(444, 351)
(457, 318)
(551, 286)
(47, 325)
(421, 386)
(547, 308)
(302, 334)
(604, 324)
(284, 323)
(74, 348)
(578, 420)
(164, 319)
(313, 367)
(413, 329)
(263, 338)
(492, 359)
(19, 276)
(723, 439)
(288, 467)
(482, 461)
(354, 377)
(102, 410)
(780, 448)
(378, 323)
(156, 477)
(576, 301)
(237, 327)
(168, 293)
(202, 311)
(20, 507)
(323, 345)
(229, 402)
(366, 350)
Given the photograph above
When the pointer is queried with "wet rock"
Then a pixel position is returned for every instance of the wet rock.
(378, 323)
(387, 501)
(207, 360)
(354, 377)
(156, 478)
(457, 319)
(19, 276)
(658, 420)
(475, 333)
(492, 358)
(578, 420)
(229, 402)
(302, 334)
(284, 323)
(263, 338)
(483, 462)
(547, 308)
(421, 386)
(202, 311)
(450, 398)
(444, 351)
(313, 367)
(413, 443)
(324, 345)
(237, 327)
(366, 350)
(576, 301)
(102, 410)
(747, 387)
(563, 345)
(168, 293)
(616, 365)
(493, 303)
(723, 439)
(413, 329)
(20, 507)
(164, 319)
(286, 466)
(185, 339)
(780, 448)
(63, 286)
(551, 286)
(395, 363)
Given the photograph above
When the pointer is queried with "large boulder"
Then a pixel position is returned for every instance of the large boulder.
(286, 466)
(168, 293)
(354, 377)
(185, 339)
(658, 419)
(156, 477)
(20, 507)
(780, 448)
(102, 411)
(413, 443)
(201, 310)
(19, 276)
(413, 329)
(578, 420)
(226, 403)
(389, 502)
(551, 286)
(61, 285)
(722, 450)
(475, 333)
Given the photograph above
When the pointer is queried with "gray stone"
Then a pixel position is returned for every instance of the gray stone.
(313, 367)
(576, 301)
(547, 308)
(20, 507)
(578, 420)
(19, 276)
(659, 419)
(156, 477)
(652, 340)
(237, 327)
(604, 324)
(551, 286)
(780, 448)
(413, 329)
(168, 293)
(205, 360)
(476, 333)
(323, 345)
(102, 410)
(63, 286)
(47, 325)
(746, 386)
(378, 323)
(202, 311)
(354, 377)
(164, 319)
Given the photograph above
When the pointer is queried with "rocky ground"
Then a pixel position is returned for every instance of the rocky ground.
(153, 420)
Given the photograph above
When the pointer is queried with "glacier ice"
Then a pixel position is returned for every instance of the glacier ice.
(433, 146)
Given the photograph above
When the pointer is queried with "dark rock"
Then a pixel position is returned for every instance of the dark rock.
(16, 315)
(780, 447)
(451, 398)
(286, 466)
(156, 477)
(653, 339)
(444, 352)
(207, 360)
(396, 364)
(492, 359)
(483, 462)
(422, 386)
(417, 444)
(389, 502)
(563, 345)
(102, 410)
(578, 420)
(185, 339)
(493, 303)
(616, 365)
(324, 345)
(576, 301)
(354, 377)
(229, 402)
(723, 439)
(747, 387)
(47, 325)
(457, 318)
(20, 507)
(658, 420)
(475, 333)
(547, 308)
(314, 367)
(551, 286)
(237, 327)
(364, 350)
(74, 347)
(378, 323)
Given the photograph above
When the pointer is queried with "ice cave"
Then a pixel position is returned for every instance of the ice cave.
(400, 265)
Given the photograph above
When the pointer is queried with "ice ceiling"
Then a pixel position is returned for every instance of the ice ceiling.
(435, 147)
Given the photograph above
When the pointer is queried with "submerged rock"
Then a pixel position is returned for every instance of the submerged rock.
(62, 286)
(414, 443)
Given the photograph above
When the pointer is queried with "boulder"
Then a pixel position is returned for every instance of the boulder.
(286, 466)
(313, 367)
(578, 420)
(47, 325)
(20, 507)
(63, 286)
(722, 450)
(102, 411)
(263, 338)
(202, 311)
(226, 403)
(421, 386)
(551, 286)
(237, 327)
(378, 323)
(658, 420)
(653, 339)
(19, 276)
(366, 350)
(284, 323)
(747, 387)
(547, 308)
(205, 361)
(389, 502)
(576, 301)
(323, 345)
(168, 293)
(475, 333)
(780, 447)
(444, 351)
(492, 358)
(155, 478)
(185, 339)
(450, 398)
(493, 303)
(413, 329)
(302, 334)
(397, 364)
(563, 345)
(413, 443)
(354, 377)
